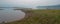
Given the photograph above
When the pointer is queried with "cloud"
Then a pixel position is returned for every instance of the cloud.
(29, 3)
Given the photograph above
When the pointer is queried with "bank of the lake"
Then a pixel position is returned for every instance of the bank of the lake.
(40, 17)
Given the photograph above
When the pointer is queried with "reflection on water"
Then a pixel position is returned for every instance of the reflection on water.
(8, 14)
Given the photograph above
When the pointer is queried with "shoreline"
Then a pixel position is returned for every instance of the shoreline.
(40, 16)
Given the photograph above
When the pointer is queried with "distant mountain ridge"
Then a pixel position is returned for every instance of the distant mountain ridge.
(50, 7)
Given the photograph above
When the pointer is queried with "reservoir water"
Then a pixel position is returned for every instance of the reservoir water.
(8, 14)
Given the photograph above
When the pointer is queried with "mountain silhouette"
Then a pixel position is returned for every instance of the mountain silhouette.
(50, 7)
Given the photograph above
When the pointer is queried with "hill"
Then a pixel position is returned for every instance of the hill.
(50, 7)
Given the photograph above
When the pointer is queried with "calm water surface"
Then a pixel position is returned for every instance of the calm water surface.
(8, 14)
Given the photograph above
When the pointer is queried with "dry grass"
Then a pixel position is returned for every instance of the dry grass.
(40, 17)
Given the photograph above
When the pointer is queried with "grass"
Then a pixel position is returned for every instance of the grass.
(40, 17)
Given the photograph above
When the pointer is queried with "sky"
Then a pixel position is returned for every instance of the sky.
(28, 3)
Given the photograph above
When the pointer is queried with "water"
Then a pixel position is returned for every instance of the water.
(8, 14)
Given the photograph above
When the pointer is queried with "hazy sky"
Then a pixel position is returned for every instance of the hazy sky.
(27, 3)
